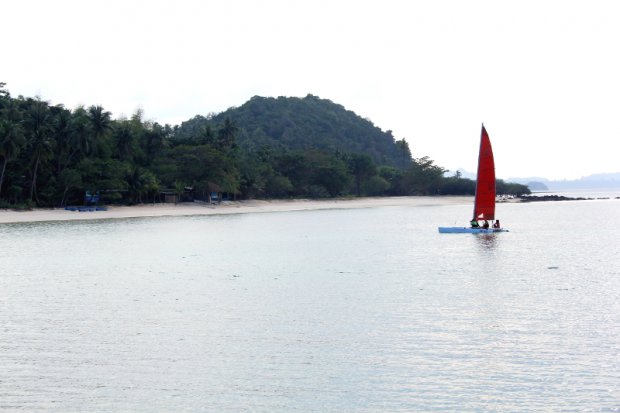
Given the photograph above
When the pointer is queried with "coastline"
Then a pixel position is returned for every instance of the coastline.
(8, 216)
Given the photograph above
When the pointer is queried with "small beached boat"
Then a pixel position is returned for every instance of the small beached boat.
(484, 204)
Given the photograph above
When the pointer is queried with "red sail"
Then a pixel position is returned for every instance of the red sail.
(484, 207)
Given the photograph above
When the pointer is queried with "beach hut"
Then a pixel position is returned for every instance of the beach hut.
(214, 193)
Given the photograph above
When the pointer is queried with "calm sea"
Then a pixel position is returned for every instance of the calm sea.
(361, 310)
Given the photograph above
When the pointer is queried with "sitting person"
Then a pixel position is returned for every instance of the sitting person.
(496, 224)
(486, 224)
(474, 223)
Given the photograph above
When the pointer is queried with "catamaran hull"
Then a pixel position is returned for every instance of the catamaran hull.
(466, 230)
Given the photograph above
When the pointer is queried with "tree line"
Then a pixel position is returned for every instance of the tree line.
(52, 156)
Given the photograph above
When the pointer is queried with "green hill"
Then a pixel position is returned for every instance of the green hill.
(266, 148)
(290, 123)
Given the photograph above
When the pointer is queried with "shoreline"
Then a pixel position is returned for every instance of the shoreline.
(8, 216)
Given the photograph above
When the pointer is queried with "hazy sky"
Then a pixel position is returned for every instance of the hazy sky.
(543, 76)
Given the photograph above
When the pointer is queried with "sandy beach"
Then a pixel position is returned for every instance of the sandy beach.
(235, 207)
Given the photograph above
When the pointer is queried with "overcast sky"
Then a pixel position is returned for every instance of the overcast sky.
(543, 76)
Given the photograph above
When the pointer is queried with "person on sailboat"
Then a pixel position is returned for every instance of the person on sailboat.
(496, 224)
(474, 223)
(486, 224)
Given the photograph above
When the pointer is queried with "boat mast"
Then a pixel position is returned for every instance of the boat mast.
(478, 175)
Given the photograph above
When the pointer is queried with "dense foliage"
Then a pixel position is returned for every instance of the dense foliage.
(297, 124)
(267, 148)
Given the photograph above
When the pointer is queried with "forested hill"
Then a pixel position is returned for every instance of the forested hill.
(291, 123)
(267, 148)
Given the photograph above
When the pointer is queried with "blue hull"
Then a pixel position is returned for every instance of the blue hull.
(466, 230)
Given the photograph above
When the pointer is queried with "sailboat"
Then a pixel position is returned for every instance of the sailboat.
(484, 203)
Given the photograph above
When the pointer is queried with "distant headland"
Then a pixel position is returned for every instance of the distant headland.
(539, 184)
(594, 181)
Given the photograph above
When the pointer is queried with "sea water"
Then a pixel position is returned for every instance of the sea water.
(366, 310)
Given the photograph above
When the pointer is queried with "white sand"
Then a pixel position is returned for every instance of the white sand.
(237, 207)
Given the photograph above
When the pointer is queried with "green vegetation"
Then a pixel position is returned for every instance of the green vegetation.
(267, 148)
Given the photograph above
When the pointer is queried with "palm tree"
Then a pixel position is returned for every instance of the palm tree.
(11, 131)
(38, 130)
(139, 182)
(82, 135)
(100, 119)
(61, 129)
(69, 178)
(11, 141)
(179, 187)
(100, 122)
(124, 141)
